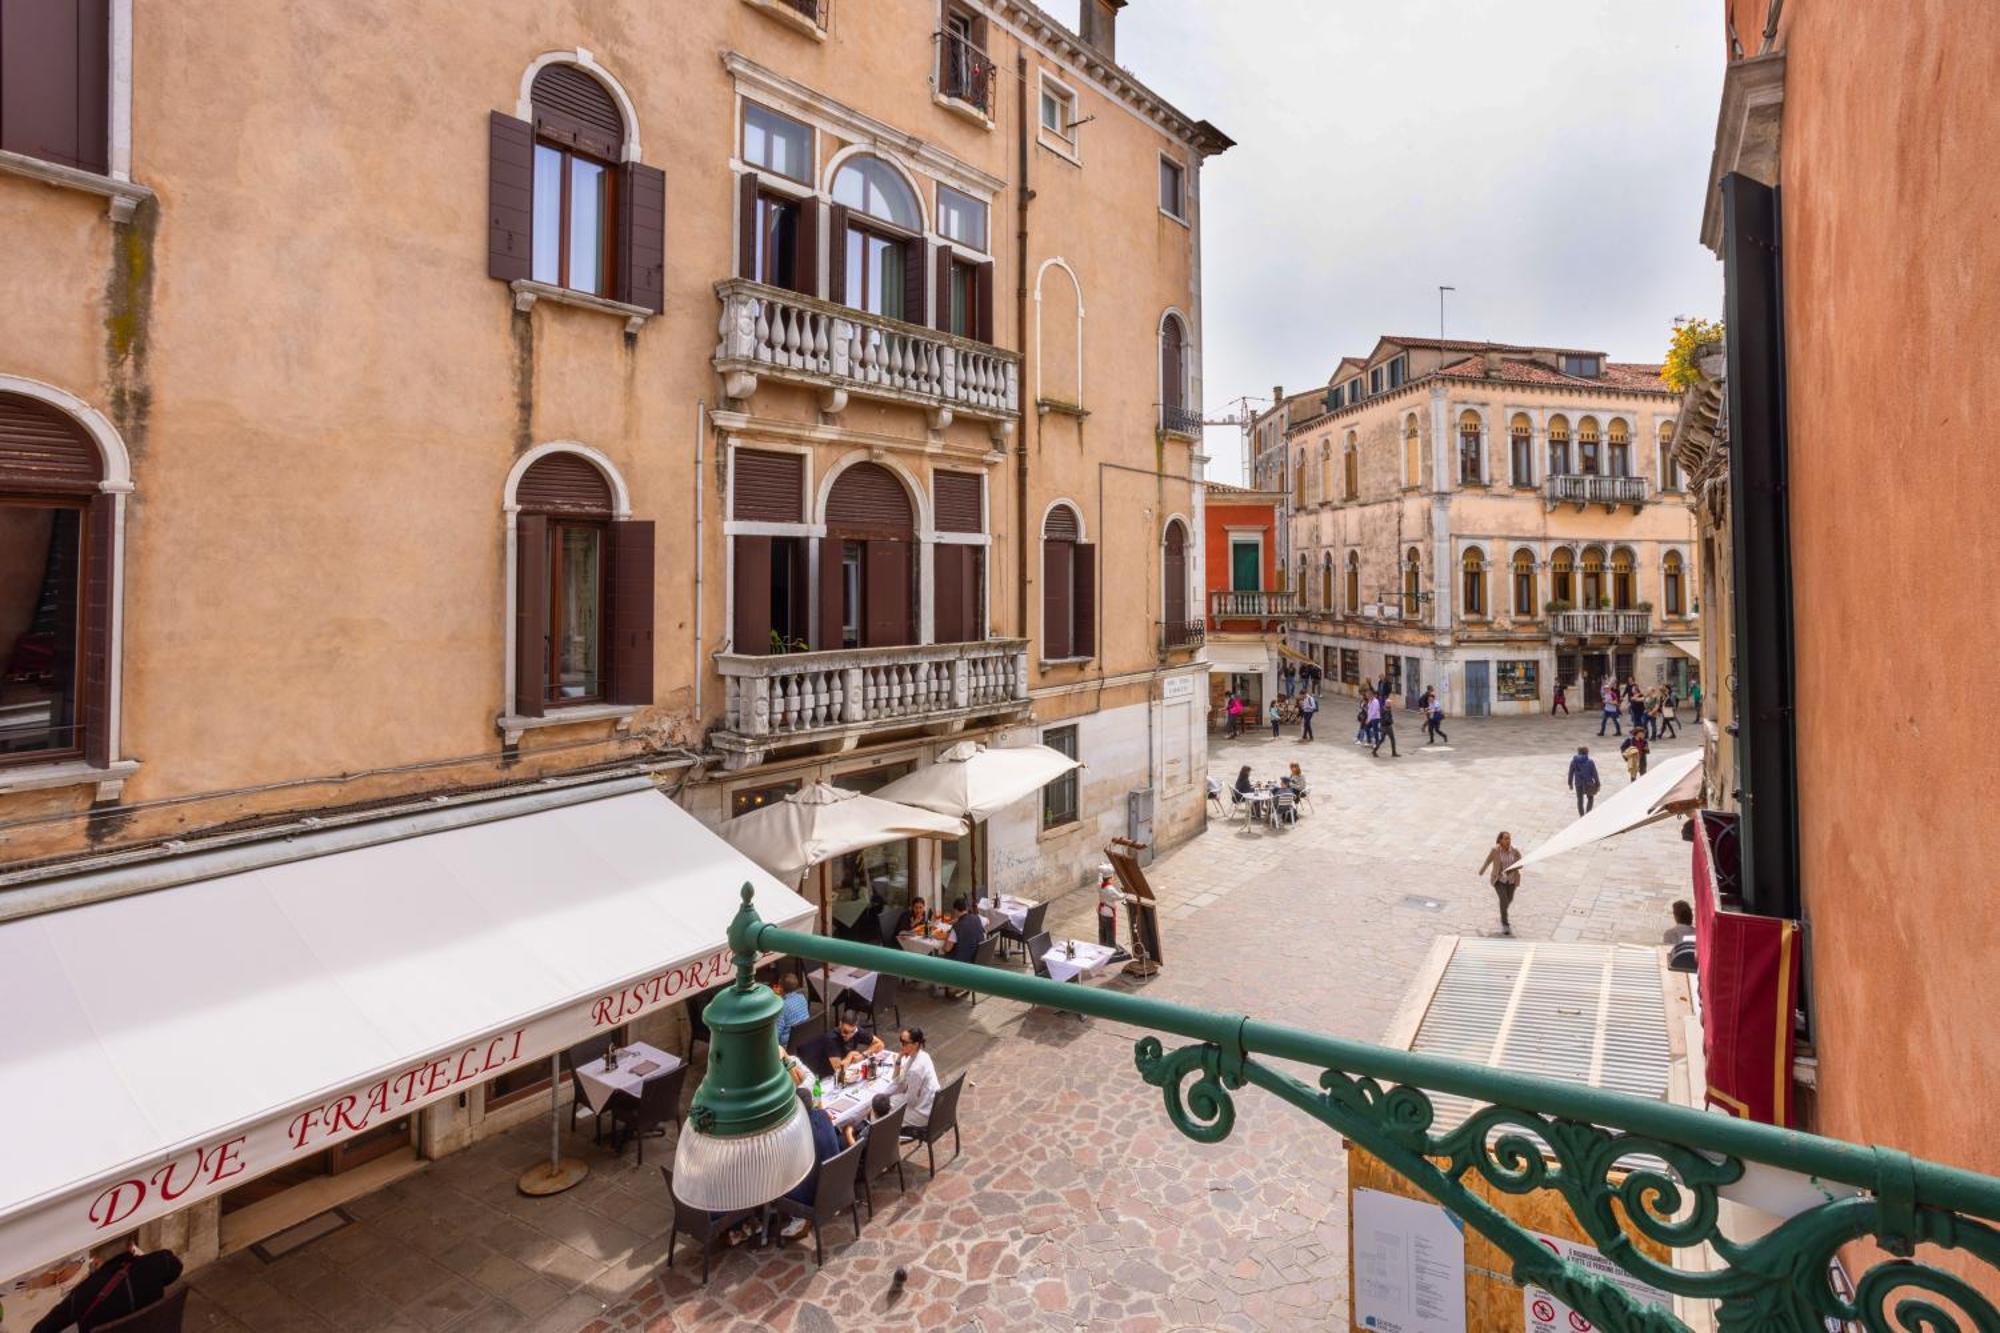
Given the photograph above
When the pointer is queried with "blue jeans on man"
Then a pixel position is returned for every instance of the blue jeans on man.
(1609, 719)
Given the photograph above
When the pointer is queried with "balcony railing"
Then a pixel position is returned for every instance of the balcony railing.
(1231, 604)
(801, 339)
(1179, 634)
(1179, 420)
(788, 698)
(1581, 488)
(1602, 624)
(965, 74)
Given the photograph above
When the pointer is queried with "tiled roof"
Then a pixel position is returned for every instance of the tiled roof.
(1464, 345)
(1617, 374)
(1224, 488)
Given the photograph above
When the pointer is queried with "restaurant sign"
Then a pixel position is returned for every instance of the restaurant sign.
(45, 1232)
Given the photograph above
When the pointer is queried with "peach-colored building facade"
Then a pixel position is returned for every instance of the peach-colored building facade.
(748, 392)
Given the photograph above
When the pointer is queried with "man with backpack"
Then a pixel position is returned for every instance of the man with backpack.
(1583, 780)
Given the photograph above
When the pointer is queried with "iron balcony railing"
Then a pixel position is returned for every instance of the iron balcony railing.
(1262, 604)
(1602, 624)
(1584, 488)
(965, 73)
(1177, 634)
(1179, 420)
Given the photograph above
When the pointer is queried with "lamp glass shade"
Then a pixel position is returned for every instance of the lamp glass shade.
(724, 1173)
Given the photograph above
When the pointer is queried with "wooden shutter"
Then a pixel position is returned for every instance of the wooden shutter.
(941, 320)
(982, 303)
(531, 614)
(974, 620)
(752, 583)
(1084, 601)
(573, 109)
(832, 594)
(642, 236)
(948, 595)
(836, 253)
(54, 75)
(42, 448)
(768, 486)
(631, 563)
(100, 554)
(916, 279)
(510, 198)
(565, 483)
(805, 246)
(956, 496)
(746, 226)
(1173, 574)
(868, 498)
(886, 570)
(1056, 591)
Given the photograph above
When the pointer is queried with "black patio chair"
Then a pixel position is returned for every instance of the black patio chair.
(574, 1058)
(944, 1116)
(1036, 946)
(833, 1195)
(814, 1026)
(1030, 926)
(646, 1116)
(162, 1316)
(884, 1153)
(888, 991)
(699, 1225)
(983, 956)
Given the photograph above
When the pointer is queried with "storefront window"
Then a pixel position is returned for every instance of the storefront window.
(888, 870)
(746, 799)
(962, 872)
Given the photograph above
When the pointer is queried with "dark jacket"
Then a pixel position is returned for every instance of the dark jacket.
(125, 1284)
(968, 932)
(1583, 773)
(826, 1143)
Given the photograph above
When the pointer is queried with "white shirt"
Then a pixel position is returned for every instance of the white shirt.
(919, 1086)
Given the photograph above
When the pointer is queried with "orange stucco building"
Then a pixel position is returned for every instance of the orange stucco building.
(1246, 601)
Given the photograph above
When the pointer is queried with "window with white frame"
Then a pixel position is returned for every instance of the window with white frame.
(1058, 110)
(1173, 189)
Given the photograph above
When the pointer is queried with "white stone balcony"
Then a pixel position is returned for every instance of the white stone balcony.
(1583, 488)
(1602, 624)
(1232, 604)
(833, 699)
(767, 331)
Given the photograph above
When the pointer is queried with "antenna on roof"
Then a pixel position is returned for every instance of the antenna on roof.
(1441, 292)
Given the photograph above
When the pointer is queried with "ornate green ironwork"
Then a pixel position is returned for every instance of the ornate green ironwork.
(1626, 1167)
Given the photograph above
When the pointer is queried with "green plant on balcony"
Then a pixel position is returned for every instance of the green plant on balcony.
(781, 645)
(1642, 606)
(1680, 369)
(1557, 605)
(1604, 603)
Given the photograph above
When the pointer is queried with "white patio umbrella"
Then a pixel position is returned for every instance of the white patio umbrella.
(821, 821)
(975, 782)
(1655, 796)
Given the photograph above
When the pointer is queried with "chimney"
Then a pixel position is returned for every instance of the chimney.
(1492, 365)
(1097, 22)
(1277, 394)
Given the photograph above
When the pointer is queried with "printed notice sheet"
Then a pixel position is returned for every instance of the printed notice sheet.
(1409, 1265)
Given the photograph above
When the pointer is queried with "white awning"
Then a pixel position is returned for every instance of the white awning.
(1239, 656)
(168, 1045)
(1639, 804)
(1686, 647)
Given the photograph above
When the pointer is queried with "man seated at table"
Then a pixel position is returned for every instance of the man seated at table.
(827, 1142)
(916, 1080)
(830, 1052)
(915, 917)
(795, 1012)
(968, 932)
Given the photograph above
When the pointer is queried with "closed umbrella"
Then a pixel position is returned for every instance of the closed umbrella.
(821, 821)
(975, 782)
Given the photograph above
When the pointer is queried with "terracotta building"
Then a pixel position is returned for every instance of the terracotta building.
(1490, 519)
(742, 393)
(1248, 606)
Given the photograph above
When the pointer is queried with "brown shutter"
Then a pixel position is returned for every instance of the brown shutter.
(867, 497)
(565, 483)
(956, 496)
(54, 73)
(805, 243)
(574, 109)
(510, 198)
(1173, 574)
(631, 562)
(886, 570)
(916, 278)
(1061, 523)
(642, 236)
(746, 225)
(99, 564)
(836, 253)
(942, 319)
(531, 614)
(768, 486)
(1085, 601)
(974, 620)
(948, 597)
(983, 303)
(832, 594)
(752, 582)
(1056, 575)
(44, 449)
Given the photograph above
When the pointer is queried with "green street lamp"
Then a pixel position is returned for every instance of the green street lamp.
(1624, 1165)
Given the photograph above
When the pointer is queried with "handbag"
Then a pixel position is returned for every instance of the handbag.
(123, 1279)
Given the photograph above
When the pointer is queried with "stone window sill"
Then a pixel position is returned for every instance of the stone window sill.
(964, 110)
(1064, 661)
(527, 292)
(790, 17)
(125, 196)
(513, 726)
(110, 781)
(1062, 148)
(1059, 830)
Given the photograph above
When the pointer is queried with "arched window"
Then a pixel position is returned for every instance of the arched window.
(1593, 579)
(1559, 461)
(1562, 578)
(1302, 586)
(1299, 479)
(1471, 471)
(1174, 585)
(1351, 464)
(1326, 469)
(59, 531)
(1413, 459)
(1473, 567)
(878, 251)
(1353, 583)
(1622, 582)
(1326, 584)
(1620, 442)
(1673, 584)
(1412, 582)
(579, 137)
(867, 561)
(1069, 587)
(1521, 449)
(1670, 467)
(1175, 413)
(1524, 584)
(583, 590)
(1589, 450)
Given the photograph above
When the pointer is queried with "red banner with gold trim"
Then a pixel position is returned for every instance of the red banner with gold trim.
(1749, 984)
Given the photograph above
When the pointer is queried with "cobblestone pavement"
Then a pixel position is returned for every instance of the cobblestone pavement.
(1074, 1203)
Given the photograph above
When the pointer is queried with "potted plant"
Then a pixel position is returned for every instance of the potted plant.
(1556, 605)
(1604, 603)
(1642, 606)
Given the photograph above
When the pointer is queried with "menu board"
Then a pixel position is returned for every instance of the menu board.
(1518, 680)
(1409, 1265)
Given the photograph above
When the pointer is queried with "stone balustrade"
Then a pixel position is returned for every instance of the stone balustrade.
(1265, 604)
(1583, 488)
(1602, 624)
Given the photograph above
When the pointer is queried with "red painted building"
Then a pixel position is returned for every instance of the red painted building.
(1247, 603)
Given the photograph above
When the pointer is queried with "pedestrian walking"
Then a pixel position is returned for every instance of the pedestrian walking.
(1634, 749)
(1561, 705)
(1635, 706)
(1610, 717)
(1274, 717)
(1376, 706)
(1694, 696)
(1308, 705)
(1433, 718)
(1670, 721)
(1361, 721)
(1385, 729)
(1583, 780)
(1235, 710)
(1501, 867)
(1656, 707)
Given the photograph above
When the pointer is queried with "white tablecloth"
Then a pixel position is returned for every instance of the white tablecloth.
(923, 943)
(1089, 961)
(1006, 907)
(843, 978)
(848, 1104)
(599, 1083)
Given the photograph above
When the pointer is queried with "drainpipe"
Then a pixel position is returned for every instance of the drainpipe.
(1021, 196)
(700, 441)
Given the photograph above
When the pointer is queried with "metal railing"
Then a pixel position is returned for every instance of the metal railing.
(1176, 634)
(795, 694)
(1627, 1167)
(965, 73)
(1588, 488)
(1602, 624)
(1262, 604)
(1179, 420)
(767, 330)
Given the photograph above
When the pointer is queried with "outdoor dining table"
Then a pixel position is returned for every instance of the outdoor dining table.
(1088, 960)
(638, 1064)
(1012, 910)
(849, 1103)
(1262, 801)
(840, 978)
(925, 942)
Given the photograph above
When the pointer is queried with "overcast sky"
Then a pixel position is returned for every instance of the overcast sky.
(1545, 157)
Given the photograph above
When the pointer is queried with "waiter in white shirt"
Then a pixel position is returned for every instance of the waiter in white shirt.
(916, 1079)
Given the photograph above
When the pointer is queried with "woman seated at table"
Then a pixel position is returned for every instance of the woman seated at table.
(916, 1080)
(915, 917)
(1244, 786)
